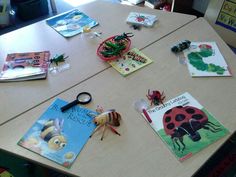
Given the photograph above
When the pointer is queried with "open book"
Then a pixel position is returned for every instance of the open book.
(185, 125)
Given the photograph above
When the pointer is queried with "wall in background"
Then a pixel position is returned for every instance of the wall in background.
(200, 5)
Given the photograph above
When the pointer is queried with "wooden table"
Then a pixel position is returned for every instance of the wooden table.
(18, 98)
(139, 151)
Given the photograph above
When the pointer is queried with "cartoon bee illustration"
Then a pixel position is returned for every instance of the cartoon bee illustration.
(51, 133)
(106, 119)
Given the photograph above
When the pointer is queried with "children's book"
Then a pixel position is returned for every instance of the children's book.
(205, 59)
(131, 61)
(185, 125)
(71, 23)
(25, 66)
(60, 136)
(142, 19)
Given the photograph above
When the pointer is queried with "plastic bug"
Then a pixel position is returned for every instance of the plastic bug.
(180, 121)
(106, 119)
(155, 97)
(58, 59)
(112, 49)
(123, 36)
(181, 46)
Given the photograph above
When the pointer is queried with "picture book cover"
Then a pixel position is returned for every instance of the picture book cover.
(185, 125)
(143, 19)
(71, 23)
(25, 66)
(131, 61)
(60, 136)
(205, 59)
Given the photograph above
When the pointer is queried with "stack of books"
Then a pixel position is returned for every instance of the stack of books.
(25, 66)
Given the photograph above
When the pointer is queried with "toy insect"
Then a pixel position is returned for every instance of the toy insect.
(155, 97)
(112, 49)
(58, 59)
(51, 133)
(123, 36)
(106, 119)
(181, 46)
(180, 121)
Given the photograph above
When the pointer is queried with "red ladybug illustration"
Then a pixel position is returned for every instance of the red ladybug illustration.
(180, 121)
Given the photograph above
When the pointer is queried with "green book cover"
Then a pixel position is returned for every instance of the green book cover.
(185, 125)
(131, 61)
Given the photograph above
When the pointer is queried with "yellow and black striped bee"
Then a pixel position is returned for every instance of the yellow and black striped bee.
(107, 119)
(51, 133)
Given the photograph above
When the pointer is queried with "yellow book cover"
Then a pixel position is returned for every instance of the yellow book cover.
(131, 61)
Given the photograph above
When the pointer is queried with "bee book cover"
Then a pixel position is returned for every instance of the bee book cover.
(60, 136)
(185, 125)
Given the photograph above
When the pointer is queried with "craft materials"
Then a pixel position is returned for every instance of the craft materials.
(155, 97)
(141, 106)
(82, 98)
(181, 46)
(113, 47)
(106, 119)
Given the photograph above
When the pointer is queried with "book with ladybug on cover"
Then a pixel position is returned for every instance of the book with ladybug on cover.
(185, 125)
(142, 19)
(60, 136)
(131, 61)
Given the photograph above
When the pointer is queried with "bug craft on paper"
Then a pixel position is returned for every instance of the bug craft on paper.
(106, 119)
(155, 97)
(113, 47)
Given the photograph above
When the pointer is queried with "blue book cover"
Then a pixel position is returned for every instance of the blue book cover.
(71, 23)
(60, 136)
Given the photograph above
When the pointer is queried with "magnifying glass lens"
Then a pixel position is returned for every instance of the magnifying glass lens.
(84, 98)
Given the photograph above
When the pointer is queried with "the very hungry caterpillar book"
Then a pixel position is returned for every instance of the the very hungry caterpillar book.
(60, 136)
(185, 125)
(205, 59)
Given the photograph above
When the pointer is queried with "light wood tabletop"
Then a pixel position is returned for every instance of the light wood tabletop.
(19, 97)
(139, 151)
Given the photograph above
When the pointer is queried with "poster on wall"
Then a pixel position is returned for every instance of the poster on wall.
(227, 15)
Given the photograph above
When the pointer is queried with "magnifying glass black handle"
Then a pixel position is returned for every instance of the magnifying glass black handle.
(69, 105)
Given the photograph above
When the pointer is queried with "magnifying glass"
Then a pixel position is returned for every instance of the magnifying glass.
(82, 98)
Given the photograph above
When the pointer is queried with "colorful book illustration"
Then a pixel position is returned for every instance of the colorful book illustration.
(185, 125)
(60, 136)
(25, 66)
(71, 23)
(142, 19)
(205, 59)
(131, 61)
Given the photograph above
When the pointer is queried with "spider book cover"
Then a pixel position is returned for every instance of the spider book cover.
(205, 59)
(60, 136)
(71, 23)
(185, 125)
